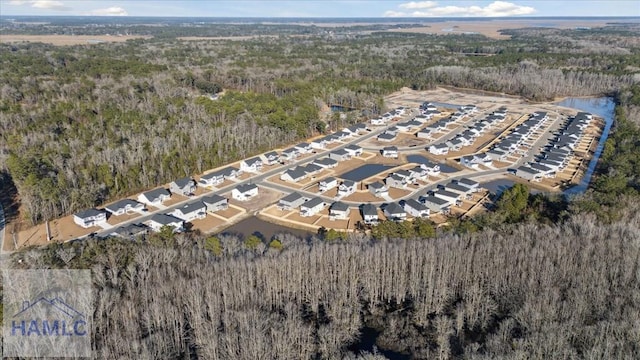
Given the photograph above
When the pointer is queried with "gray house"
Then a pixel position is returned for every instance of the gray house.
(130, 231)
(378, 189)
(395, 181)
(415, 208)
(395, 212)
(294, 175)
(436, 205)
(340, 155)
(215, 203)
(528, 173)
(185, 186)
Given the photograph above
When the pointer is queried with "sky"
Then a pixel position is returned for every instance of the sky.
(321, 8)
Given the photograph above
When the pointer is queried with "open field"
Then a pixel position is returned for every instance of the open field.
(64, 40)
(491, 28)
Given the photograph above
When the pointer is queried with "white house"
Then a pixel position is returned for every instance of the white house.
(215, 203)
(390, 152)
(439, 149)
(244, 192)
(157, 221)
(378, 189)
(154, 197)
(211, 179)
(347, 188)
(426, 133)
(291, 201)
(312, 207)
(252, 165)
(311, 169)
(340, 155)
(124, 206)
(395, 212)
(339, 211)
(353, 150)
(319, 144)
(528, 173)
(190, 212)
(303, 148)
(432, 168)
(415, 208)
(474, 186)
(293, 175)
(90, 217)
(288, 155)
(378, 121)
(270, 158)
(327, 184)
(370, 214)
(419, 173)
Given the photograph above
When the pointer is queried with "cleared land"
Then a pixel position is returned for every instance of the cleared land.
(63, 40)
(491, 28)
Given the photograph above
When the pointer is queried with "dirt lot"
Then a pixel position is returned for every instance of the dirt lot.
(67, 39)
(491, 28)
(264, 198)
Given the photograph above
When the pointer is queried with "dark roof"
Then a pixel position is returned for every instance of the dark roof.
(326, 161)
(121, 204)
(434, 200)
(289, 150)
(303, 145)
(311, 168)
(155, 193)
(131, 230)
(353, 147)
(528, 170)
(271, 154)
(340, 152)
(88, 213)
(313, 202)
(253, 160)
(339, 206)
(193, 207)
(387, 136)
(540, 167)
(457, 187)
(246, 187)
(415, 204)
(369, 209)
(164, 219)
(376, 185)
(329, 179)
(348, 183)
(182, 182)
(394, 208)
(213, 199)
(468, 182)
(293, 197)
(389, 148)
(296, 173)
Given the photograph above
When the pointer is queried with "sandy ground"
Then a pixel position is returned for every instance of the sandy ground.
(264, 198)
(67, 39)
(490, 28)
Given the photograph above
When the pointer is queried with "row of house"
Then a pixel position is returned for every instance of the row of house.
(388, 116)
(301, 172)
(467, 137)
(558, 153)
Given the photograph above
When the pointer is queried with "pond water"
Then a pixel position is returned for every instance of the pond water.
(364, 171)
(419, 159)
(263, 229)
(603, 107)
(336, 108)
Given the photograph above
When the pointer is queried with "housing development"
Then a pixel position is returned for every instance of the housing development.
(427, 157)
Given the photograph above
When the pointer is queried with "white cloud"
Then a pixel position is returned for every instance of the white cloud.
(41, 4)
(110, 11)
(419, 5)
(430, 9)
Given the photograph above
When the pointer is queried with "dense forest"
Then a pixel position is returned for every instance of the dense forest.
(539, 277)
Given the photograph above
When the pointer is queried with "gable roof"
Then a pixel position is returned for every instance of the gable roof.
(88, 213)
(394, 208)
(435, 200)
(271, 154)
(376, 185)
(353, 147)
(253, 160)
(296, 173)
(293, 197)
(313, 202)
(390, 148)
(328, 180)
(213, 199)
(246, 187)
(326, 161)
(415, 204)
(468, 182)
(121, 204)
(369, 209)
(339, 206)
(193, 207)
(348, 183)
(165, 219)
(182, 182)
(156, 193)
